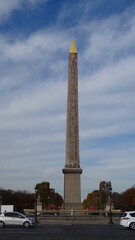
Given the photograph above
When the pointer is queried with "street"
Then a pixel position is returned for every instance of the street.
(67, 232)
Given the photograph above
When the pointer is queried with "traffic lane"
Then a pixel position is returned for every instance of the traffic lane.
(66, 232)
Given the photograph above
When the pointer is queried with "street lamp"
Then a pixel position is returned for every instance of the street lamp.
(36, 195)
(0, 203)
(48, 202)
(110, 210)
(98, 202)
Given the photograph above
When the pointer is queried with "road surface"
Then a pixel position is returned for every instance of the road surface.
(67, 232)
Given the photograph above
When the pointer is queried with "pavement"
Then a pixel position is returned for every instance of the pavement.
(67, 232)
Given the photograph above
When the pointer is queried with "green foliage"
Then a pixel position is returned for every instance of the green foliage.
(95, 198)
(98, 198)
(84, 203)
(104, 189)
(124, 201)
(128, 199)
(48, 197)
(92, 200)
(20, 199)
(89, 200)
(25, 200)
(58, 200)
(117, 200)
(44, 192)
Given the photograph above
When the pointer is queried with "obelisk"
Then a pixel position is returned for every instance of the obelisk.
(72, 170)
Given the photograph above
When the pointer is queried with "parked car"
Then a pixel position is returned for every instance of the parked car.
(15, 218)
(128, 220)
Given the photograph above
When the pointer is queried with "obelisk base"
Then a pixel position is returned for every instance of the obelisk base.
(72, 206)
(72, 189)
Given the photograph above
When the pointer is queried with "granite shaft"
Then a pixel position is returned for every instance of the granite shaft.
(72, 170)
(72, 133)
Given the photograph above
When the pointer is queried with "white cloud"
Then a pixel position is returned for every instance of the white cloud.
(33, 48)
(114, 163)
(33, 89)
(8, 6)
(34, 1)
(108, 40)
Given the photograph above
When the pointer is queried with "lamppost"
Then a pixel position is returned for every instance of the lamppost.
(49, 202)
(0, 203)
(110, 209)
(98, 202)
(36, 196)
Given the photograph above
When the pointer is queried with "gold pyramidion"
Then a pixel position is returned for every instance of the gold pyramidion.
(73, 47)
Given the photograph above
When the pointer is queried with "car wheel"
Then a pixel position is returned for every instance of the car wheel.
(132, 225)
(26, 224)
(1, 224)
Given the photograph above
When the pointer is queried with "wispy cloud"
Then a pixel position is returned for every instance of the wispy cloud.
(8, 6)
(33, 90)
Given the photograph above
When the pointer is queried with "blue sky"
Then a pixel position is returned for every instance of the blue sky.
(35, 37)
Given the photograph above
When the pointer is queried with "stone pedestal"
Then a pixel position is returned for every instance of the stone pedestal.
(39, 205)
(72, 191)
